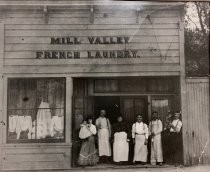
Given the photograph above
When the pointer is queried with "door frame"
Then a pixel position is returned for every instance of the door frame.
(145, 97)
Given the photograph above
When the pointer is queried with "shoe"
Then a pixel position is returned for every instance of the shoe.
(160, 163)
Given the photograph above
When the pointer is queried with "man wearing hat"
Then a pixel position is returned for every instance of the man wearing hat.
(176, 138)
(140, 139)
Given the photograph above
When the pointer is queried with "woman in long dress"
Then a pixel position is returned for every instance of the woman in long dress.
(88, 152)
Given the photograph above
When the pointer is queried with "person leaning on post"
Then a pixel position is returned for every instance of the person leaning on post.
(140, 139)
(175, 139)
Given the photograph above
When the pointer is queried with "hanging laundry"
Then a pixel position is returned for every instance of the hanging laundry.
(12, 123)
(24, 126)
(43, 120)
(12, 127)
(57, 126)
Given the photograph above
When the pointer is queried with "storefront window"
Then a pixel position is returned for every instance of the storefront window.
(36, 110)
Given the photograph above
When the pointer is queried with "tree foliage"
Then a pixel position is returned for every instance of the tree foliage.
(197, 40)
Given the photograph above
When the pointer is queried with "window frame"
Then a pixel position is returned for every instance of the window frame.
(46, 140)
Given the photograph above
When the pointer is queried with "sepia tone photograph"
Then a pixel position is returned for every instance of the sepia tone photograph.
(104, 85)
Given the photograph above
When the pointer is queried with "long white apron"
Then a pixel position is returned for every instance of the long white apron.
(140, 149)
(120, 147)
(103, 142)
(156, 149)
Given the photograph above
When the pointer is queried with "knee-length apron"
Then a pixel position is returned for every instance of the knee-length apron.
(120, 147)
(103, 142)
(140, 149)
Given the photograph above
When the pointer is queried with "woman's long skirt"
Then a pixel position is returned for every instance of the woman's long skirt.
(88, 153)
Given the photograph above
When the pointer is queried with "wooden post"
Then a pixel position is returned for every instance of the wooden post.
(1, 83)
(149, 106)
(69, 94)
(183, 90)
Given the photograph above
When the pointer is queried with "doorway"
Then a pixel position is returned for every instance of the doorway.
(119, 99)
(109, 103)
(127, 107)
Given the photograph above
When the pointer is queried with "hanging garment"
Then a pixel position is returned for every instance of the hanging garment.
(140, 134)
(104, 133)
(42, 130)
(43, 120)
(156, 127)
(12, 123)
(57, 125)
(24, 124)
(120, 147)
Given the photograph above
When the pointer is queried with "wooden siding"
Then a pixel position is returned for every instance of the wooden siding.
(197, 133)
(26, 32)
(32, 158)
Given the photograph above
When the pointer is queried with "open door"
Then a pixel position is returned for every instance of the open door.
(163, 104)
(131, 106)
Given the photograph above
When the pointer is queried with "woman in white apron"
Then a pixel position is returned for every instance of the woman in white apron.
(120, 145)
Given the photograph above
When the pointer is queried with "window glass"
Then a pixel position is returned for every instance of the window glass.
(36, 110)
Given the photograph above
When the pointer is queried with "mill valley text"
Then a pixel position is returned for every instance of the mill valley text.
(74, 54)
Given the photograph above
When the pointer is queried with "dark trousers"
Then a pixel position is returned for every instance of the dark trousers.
(174, 148)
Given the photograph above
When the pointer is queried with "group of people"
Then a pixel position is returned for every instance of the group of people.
(153, 137)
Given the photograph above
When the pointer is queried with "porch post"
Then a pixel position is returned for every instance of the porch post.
(183, 91)
(69, 94)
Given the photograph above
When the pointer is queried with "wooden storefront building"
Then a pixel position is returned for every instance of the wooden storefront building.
(71, 58)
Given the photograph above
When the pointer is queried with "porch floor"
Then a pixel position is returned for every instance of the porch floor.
(130, 166)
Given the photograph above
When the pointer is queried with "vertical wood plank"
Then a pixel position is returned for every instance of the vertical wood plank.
(69, 94)
(1, 82)
(183, 86)
(4, 117)
(198, 120)
(149, 107)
